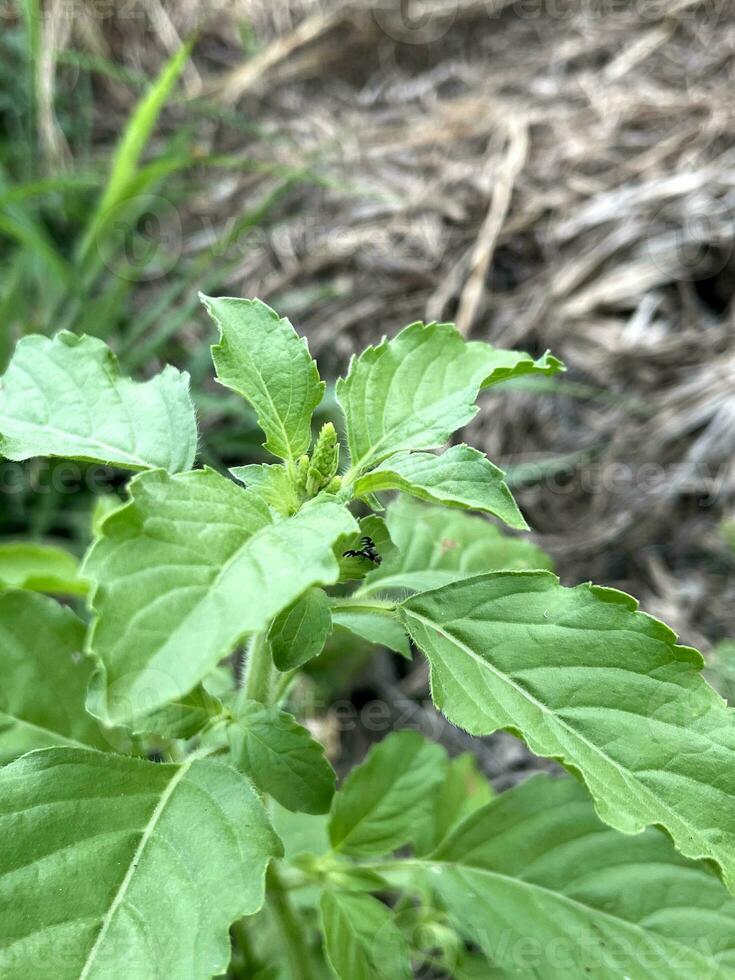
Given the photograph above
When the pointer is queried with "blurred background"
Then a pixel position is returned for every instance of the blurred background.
(546, 174)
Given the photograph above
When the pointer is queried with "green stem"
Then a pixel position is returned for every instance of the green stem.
(292, 932)
(383, 607)
(282, 684)
(258, 670)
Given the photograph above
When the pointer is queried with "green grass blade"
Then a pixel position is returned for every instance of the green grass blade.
(131, 146)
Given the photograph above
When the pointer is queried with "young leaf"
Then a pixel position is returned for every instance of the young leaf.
(436, 546)
(373, 626)
(116, 866)
(281, 758)
(45, 677)
(65, 397)
(270, 482)
(413, 391)
(261, 357)
(41, 568)
(184, 571)
(557, 893)
(361, 939)
(183, 717)
(386, 800)
(298, 634)
(585, 678)
(460, 477)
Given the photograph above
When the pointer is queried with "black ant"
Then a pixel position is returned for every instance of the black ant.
(368, 551)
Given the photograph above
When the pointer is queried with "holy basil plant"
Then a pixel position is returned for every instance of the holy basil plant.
(164, 814)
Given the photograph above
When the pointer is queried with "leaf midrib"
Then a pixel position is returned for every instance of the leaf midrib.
(280, 424)
(133, 865)
(90, 440)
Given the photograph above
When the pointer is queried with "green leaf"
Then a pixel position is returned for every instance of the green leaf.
(557, 894)
(281, 758)
(586, 679)
(187, 569)
(115, 866)
(464, 790)
(45, 677)
(506, 365)
(298, 634)
(385, 801)
(414, 391)
(436, 546)
(183, 717)
(361, 939)
(374, 626)
(460, 477)
(41, 568)
(261, 356)
(270, 482)
(65, 397)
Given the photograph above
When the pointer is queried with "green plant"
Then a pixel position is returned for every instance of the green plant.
(115, 864)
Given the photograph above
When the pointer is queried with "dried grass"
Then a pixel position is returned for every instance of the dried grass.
(565, 180)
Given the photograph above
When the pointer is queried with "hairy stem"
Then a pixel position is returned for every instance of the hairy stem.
(296, 945)
(258, 670)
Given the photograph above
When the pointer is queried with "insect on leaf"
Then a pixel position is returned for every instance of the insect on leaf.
(359, 565)
(434, 546)
(170, 604)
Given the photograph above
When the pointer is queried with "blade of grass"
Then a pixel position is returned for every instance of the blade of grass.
(32, 21)
(23, 229)
(30, 190)
(134, 140)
